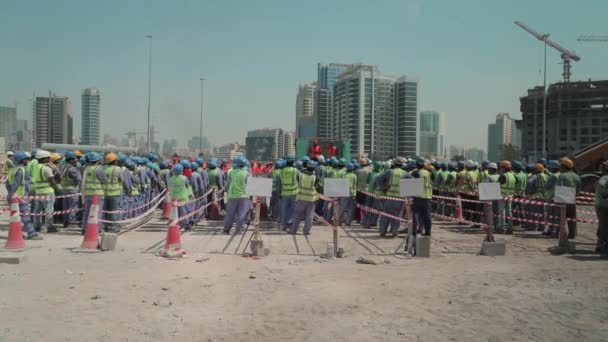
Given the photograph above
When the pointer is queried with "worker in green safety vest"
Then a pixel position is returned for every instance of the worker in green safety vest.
(20, 187)
(570, 179)
(507, 182)
(180, 191)
(371, 219)
(306, 198)
(422, 203)
(93, 183)
(389, 181)
(239, 204)
(536, 188)
(347, 205)
(289, 190)
(44, 185)
(319, 172)
(362, 174)
(275, 198)
(70, 185)
(112, 191)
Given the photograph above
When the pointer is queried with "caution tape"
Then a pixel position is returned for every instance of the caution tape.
(150, 211)
(39, 197)
(384, 196)
(382, 213)
(54, 213)
(134, 208)
(198, 210)
(180, 204)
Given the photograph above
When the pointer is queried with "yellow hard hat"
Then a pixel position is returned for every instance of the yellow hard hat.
(110, 157)
(55, 157)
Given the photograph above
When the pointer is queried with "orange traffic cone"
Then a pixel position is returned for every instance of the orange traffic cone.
(15, 234)
(167, 207)
(173, 238)
(91, 235)
(458, 209)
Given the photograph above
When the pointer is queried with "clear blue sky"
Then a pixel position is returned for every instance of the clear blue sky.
(471, 59)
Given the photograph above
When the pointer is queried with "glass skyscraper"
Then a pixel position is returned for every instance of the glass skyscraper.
(91, 117)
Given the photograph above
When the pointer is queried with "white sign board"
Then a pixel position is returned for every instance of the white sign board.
(412, 187)
(489, 192)
(564, 194)
(336, 187)
(261, 187)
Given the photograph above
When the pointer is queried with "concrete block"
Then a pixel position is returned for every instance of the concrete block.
(423, 246)
(257, 247)
(493, 248)
(108, 241)
(12, 258)
(571, 246)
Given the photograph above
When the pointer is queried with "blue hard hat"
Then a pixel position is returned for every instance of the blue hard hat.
(141, 161)
(185, 163)
(178, 169)
(212, 163)
(517, 165)
(129, 163)
(20, 156)
(306, 159)
(199, 161)
(542, 161)
(194, 165)
(238, 162)
(419, 161)
(529, 167)
(93, 157)
(152, 156)
(553, 164)
(277, 163)
(350, 166)
(312, 164)
(150, 165)
(290, 158)
(485, 163)
(163, 165)
(70, 155)
(299, 164)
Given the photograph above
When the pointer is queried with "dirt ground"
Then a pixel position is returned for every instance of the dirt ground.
(293, 294)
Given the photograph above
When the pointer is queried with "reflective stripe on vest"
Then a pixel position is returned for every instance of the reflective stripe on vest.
(12, 175)
(93, 186)
(393, 188)
(352, 183)
(276, 174)
(113, 186)
(289, 183)
(307, 191)
(42, 185)
(522, 179)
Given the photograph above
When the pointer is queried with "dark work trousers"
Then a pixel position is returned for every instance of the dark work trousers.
(359, 214)
(571, 217)
(602, 226)
(422, 214)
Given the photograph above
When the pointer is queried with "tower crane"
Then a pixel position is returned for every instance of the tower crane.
(592, 38)
(566, 56)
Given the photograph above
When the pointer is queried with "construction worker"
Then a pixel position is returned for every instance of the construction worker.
(370, 219)
(601, 209)
(507, 182)
(126, 186)
(329, 171)
(179, 186)
(389, 181)
(305, 199)
(289, 190)
(70, 183)
(201, 189)
(450, 188)
(568, 178)
(347, 204)
(275, 198)
(134, 194)
(439, 179)
(239, 204)
(44, 185)
(319, 172)
(216, 182)
(19, 180)
(56, 168)
(521, 178)
(112, 190)
(164, 175)
(552, 172)
(93, 182)
(536, 188)
(362, 174)
(422, 203)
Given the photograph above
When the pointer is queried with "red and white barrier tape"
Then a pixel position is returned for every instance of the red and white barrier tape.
(198, 210)
(150, 211)
(34, 197)
(384, 197)
(179, 204)
(382, 213)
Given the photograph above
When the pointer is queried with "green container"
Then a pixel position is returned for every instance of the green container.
(302, 146)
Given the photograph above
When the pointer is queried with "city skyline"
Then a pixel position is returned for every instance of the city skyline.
(470, 77)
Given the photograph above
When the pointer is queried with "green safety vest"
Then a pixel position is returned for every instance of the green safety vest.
(393, 187)
(11, 180)
(289, 183)
(162, 176)
(276, 174)
(42, 185)
(540, 186)
(113, 186)
(307, 191)
(68, 183)
(451, 180)
(328, 171)
(567, 179)
(340, 173)
(428, 185)
(473, 177)
(508, 188)
(521, 180)
(362, 178)
(372, 187)
(550, 192)
(28, 168)
(134, 185)
(462, 179)
(178, 185)
(493, 178)
(238, 184)
(352, 183)
(214, 176)
(93, 186)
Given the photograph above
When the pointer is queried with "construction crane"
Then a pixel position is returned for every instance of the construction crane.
(567, 55)
(592, 38)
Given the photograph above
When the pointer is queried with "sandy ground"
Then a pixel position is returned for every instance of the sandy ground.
(294, 295)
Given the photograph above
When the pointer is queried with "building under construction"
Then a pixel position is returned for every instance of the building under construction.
(577, 116)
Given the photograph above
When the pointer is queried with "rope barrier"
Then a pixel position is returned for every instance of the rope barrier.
(180, 204)
(150, 211)
(191, 214)
(134, 208)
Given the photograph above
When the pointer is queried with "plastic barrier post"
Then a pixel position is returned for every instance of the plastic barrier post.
(91, 234)
(487, 206)
(563, 228)
(336, 224)
(15, 228)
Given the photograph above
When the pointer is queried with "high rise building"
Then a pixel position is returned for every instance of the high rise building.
(432, 133)
(377, 113)
(8, 126)
(327, 75)
(577, 116)
(24, 136)
(502, 133)
(91, 117)
(305, 120)
(475, 154)
(52, 120)
(269, 144)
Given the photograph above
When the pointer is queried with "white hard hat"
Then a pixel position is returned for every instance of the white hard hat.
(321, 158)
(27, 154)
(10, 153)
(469, 163)
(492, 166)
(41, 154)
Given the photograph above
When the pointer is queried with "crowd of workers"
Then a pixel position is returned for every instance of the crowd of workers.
(128, 186)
